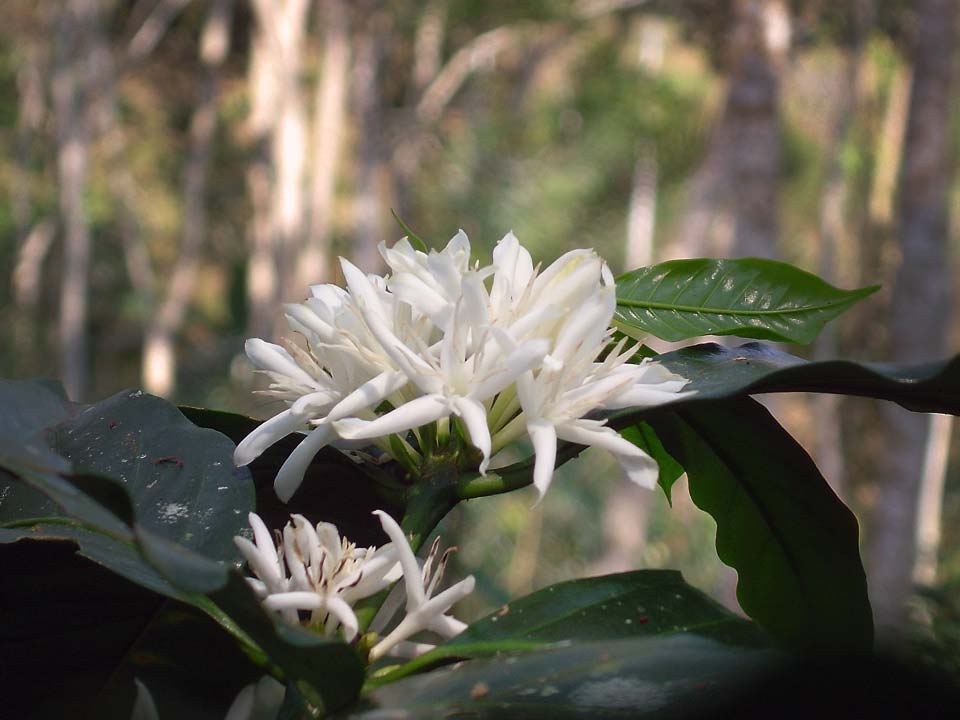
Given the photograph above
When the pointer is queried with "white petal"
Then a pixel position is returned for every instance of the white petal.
(408, 649)
(264, 566)
(316, 402)
(408, 561)
(362, 289)
(639, 467)
(260, 532)
(446, 626)
(644, 396)
(344, 613)
(273, 358)
(543, 435)
(311, 321)
(415, 413)
(266, 434)
(298, 600)
(474, 416)
(522, 358)
(143, 706)
(370, 394)
(291, 472)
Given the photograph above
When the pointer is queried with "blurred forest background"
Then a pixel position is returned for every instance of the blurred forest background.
(172, 170)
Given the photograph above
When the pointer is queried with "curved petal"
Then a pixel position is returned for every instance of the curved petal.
(291, 472)
(543, 435)
(370, 394)
(474, 416)
(266, 434)
(415, 413)
(412, 580)
(344, 613)
(639, 467)
(273, 358)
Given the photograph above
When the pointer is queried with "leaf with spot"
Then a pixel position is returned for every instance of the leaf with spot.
(643, 603)
(678, 675)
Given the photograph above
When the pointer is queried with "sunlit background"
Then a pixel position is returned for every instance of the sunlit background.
(174, 170)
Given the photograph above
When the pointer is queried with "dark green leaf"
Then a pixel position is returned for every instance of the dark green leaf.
(325, 671)
(717, 372)
(28, 409)
(335, 488)
(66, 623)
(119, 556)
(751, 297)
(181, 478)
(793, 543)
(642, 604)
(663, 677)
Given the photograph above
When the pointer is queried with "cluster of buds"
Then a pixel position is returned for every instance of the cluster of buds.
(313, 577)
(506, 351)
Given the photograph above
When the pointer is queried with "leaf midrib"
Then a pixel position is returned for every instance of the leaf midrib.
(655, 305)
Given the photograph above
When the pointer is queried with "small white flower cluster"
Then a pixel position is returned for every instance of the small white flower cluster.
(313, 577)
(508, 350)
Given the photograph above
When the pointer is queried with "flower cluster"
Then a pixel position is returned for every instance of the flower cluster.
(313, 577)
(506, 350)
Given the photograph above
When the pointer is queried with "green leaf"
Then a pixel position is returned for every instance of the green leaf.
(415, 240)
(643, 436)
(335, 487)
(181, 478)
(326, 672)
(637, 677)
(717, 372)
(751, 297)
(67, 622)
(793, 543)
(643, 603)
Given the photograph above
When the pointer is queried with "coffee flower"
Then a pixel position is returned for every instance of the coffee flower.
(506, 351)
(313, 577)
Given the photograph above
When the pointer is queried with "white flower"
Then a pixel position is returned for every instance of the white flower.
(316, 571)
(505, 350)
(424, 611)
(314, 577)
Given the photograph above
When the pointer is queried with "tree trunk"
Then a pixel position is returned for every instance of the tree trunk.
(330, 109)
(760, 45)
(921, 298)
(368, 210)
(834, 237)
(261, 281)
(74, 25)
(159, 359)
(732, 202)
(930, 507)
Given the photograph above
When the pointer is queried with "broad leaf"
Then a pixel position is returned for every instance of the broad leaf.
(751, 297)
(664, 677)
(326, 672)
(644, 603)
(336, 488)
(67, 623)
(793, 543)
(717, 372)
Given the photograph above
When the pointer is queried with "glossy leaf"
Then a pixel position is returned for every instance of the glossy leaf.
(336, 488)
(794, 544)
(639, 677)
(717, 372)
(644, 603)
(750, 297)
